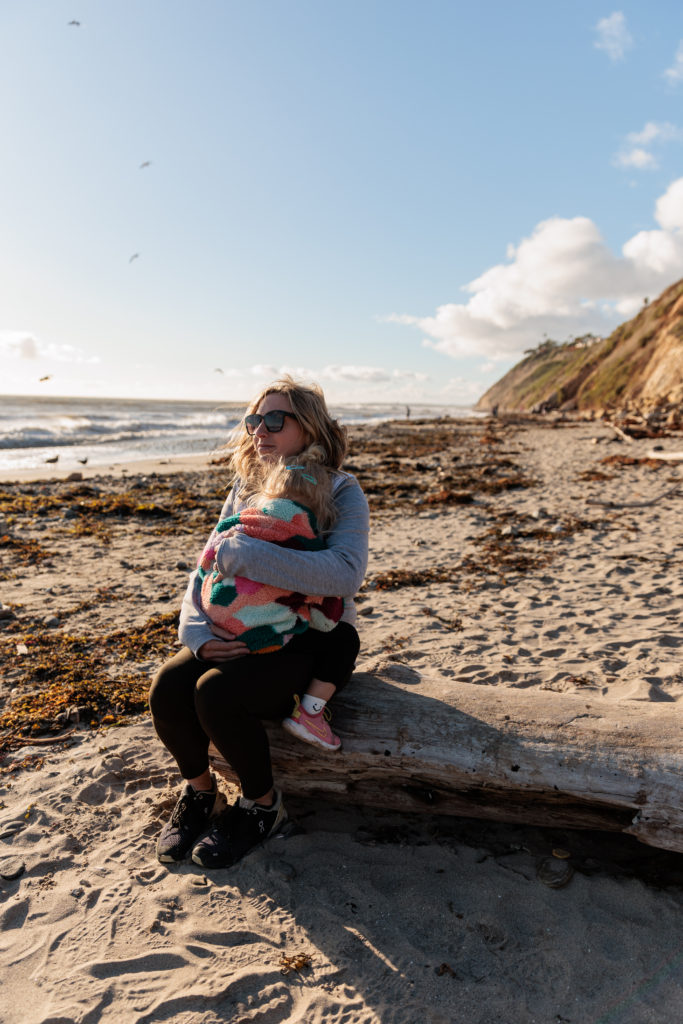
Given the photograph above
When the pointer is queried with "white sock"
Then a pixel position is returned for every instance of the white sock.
(312, 705)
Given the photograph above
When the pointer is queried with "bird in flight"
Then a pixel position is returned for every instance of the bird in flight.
(74, 22)
(134, 257)
(145, 163)
(48, 376)
(217, 369)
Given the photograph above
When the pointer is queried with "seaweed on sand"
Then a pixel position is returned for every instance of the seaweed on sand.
(86, 678)
(22, 552)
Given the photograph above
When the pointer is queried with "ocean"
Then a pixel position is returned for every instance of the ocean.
(109, 431)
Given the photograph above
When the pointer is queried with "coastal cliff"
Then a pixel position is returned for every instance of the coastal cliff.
(638, 368)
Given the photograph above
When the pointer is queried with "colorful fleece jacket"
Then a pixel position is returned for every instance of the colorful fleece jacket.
(262, 616)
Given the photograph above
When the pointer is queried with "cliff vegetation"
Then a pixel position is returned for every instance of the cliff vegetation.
(637, 369)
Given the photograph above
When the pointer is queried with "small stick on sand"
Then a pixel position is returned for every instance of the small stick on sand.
(634, 504)
(669, 456)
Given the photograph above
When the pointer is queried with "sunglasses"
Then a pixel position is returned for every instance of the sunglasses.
(274, 421)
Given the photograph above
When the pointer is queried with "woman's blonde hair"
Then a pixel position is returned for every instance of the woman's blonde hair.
(322, 433)
(303, 478)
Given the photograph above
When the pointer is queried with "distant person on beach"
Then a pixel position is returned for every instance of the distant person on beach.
(215, 689)
(294, 502)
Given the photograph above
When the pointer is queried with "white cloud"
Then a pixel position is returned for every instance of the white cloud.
(634, 154)
(562, 280)
(25, 346)
(655, 131)
(613, 36)
(638, 158)
(674, 74)
(369, 374)
(669, 207)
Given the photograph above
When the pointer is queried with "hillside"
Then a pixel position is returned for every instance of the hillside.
(638, 368)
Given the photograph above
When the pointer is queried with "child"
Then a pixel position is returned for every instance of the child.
(293, 506)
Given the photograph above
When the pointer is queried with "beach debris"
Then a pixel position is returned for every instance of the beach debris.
(636, 504)
(297, 962)
(445, 969)
(555, 872)
(396, 578)
(11, 868)
(655, 453)
(64, 672)
(24, 552)
(22, 649)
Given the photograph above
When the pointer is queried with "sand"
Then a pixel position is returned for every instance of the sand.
(405, 918)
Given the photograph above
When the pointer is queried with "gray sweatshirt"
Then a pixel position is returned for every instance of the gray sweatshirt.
(338, 570)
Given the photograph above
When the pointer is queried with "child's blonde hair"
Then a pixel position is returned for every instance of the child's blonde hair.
(303, 478)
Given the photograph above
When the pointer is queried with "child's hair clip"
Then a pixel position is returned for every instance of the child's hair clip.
(306, 476)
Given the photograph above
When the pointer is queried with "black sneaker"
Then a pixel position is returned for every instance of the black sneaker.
(190, 819)
(238, 830)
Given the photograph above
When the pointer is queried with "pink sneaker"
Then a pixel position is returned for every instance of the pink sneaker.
(311, 728)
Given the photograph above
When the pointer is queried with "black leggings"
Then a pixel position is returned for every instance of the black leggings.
(194, 702)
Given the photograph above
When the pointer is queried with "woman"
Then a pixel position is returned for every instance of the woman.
(214, 689)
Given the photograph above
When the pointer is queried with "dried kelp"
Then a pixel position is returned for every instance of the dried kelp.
(21, 551)
(89, 678)
(396, 578)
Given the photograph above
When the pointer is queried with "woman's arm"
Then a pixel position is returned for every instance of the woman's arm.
(337, 570)
(194, 629)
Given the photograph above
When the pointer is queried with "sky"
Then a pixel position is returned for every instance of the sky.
(395, 198)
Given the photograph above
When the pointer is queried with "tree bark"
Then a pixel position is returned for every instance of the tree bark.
(541, 758)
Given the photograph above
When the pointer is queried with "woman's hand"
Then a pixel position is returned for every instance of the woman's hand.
(223, 649)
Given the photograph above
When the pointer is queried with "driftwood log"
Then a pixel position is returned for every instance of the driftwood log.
(541, 758)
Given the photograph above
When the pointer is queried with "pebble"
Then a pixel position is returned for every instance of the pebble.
(367, 609)
(6, 612)
(51, 621)
(76, 475)
(185, 566)
(22, 649)
(12, 867)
